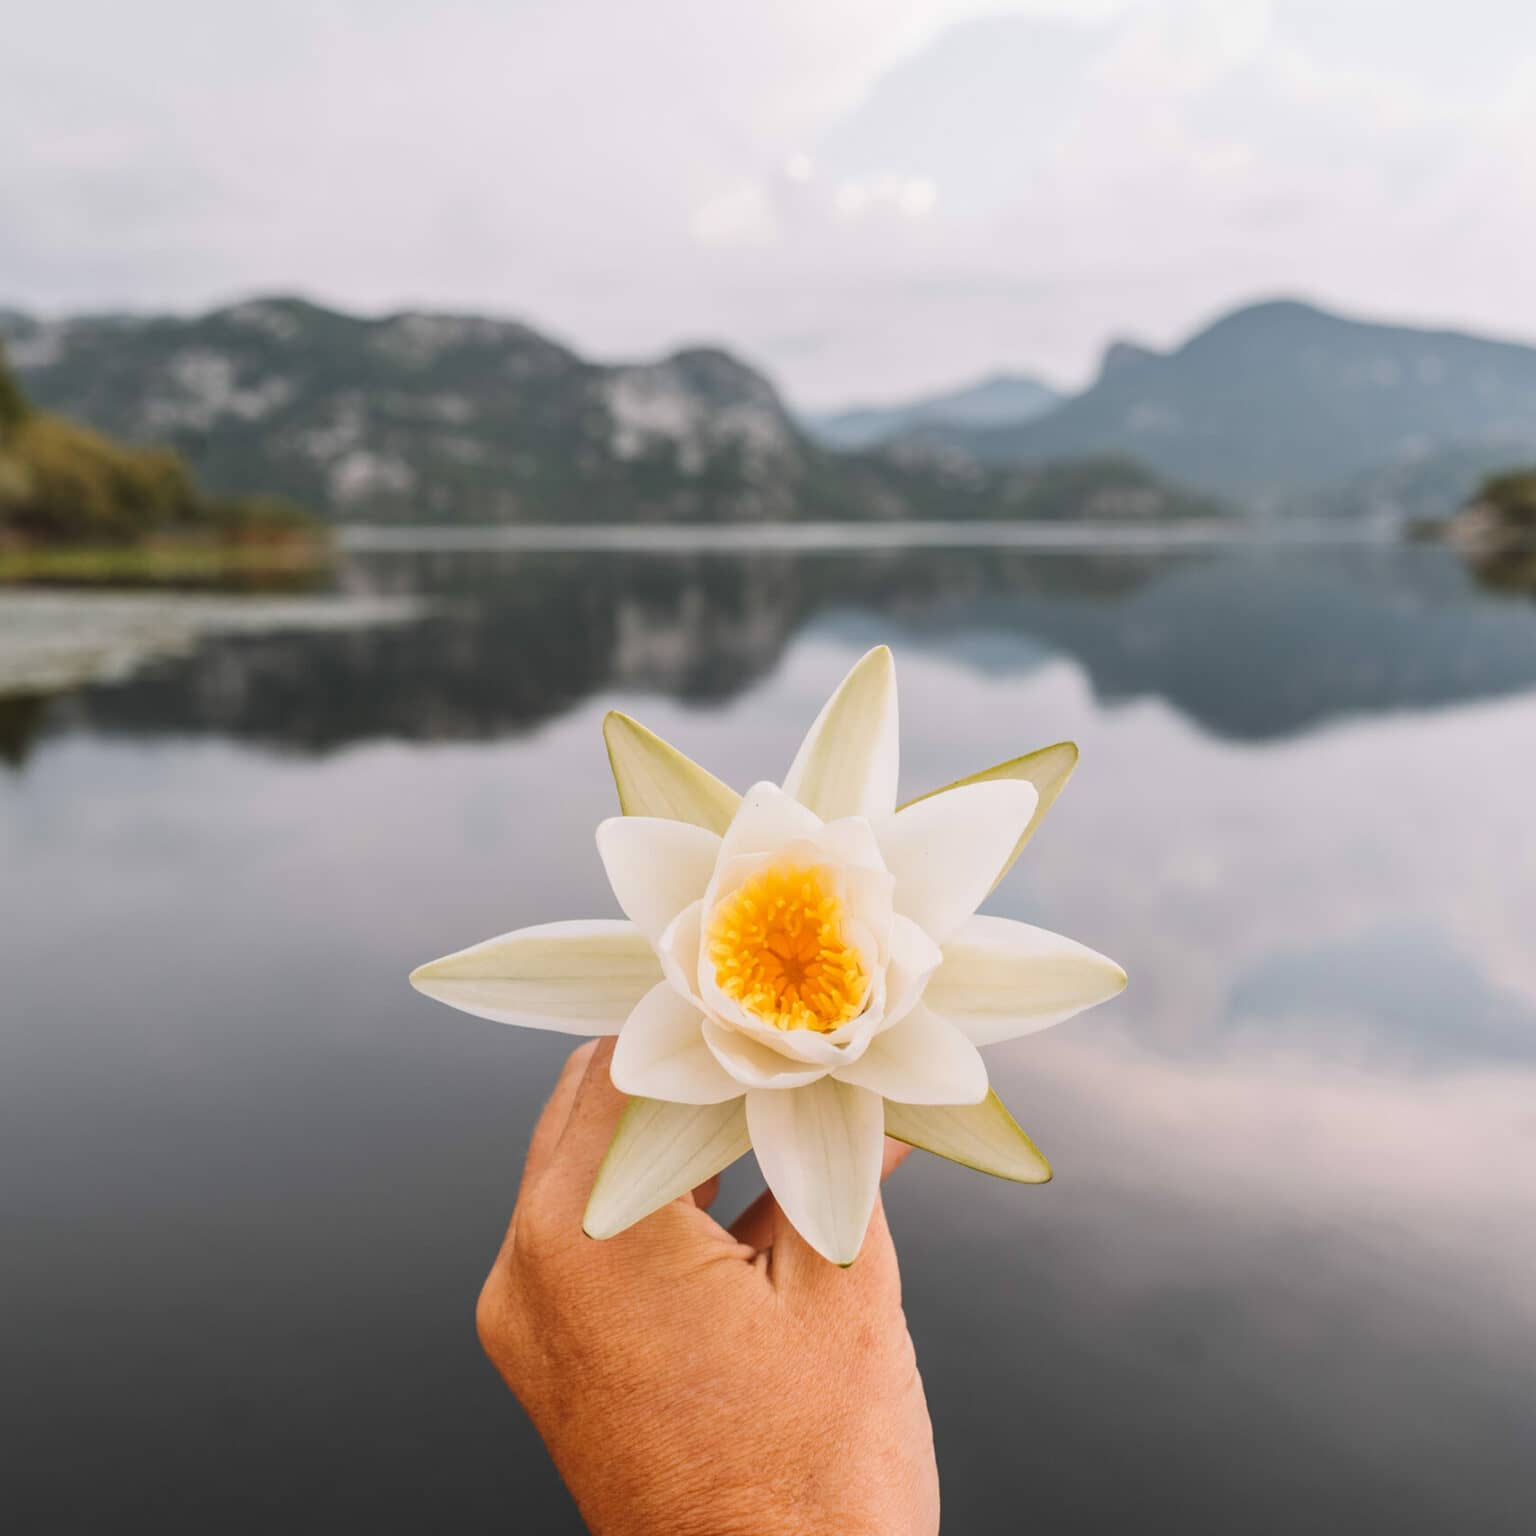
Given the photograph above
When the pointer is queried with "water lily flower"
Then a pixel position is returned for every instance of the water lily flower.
(802, 969)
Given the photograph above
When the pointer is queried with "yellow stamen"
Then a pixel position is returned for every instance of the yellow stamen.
(779, 947)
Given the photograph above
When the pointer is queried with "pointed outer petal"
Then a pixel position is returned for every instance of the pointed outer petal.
(1002, 979)
(753, 1065)
(945, 851)
(656, 867)
(655, 779)
(847, 764)
(678, 949)
(922, 1060)
(582, 978)
(982, 1136)
(661, 1151)
(914, 958)
(820, 1149)
(1048, 770)
(767, 820)
(661, 1053)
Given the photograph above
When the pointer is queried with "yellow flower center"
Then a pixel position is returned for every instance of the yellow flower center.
(779, 948)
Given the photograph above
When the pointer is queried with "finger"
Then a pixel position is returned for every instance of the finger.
(552, 1122)
(678, 1234)
(550, 1126)
(589, 1128)
(755, 1226)
(704, 1195)
(799, 1273)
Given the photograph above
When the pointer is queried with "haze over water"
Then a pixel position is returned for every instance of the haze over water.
(1282, 1279)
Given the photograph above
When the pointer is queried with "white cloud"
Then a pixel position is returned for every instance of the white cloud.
(962, 188)
(740, 215)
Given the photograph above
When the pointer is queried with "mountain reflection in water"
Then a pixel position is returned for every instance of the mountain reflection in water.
(1251, 643)
(1283, 1278)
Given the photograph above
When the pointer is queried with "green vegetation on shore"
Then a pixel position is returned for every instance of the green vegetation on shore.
(1505, 505)
(182, 561)
(1496, 531)
(75, 505)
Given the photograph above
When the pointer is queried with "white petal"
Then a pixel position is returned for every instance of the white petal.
(819, 1148)
(581, 978)
(661, 1151)
(678, 949)
(922, 1060)
(655, 779)
(766, 820)
(982, 1136)
(869, 898)
(850, 840)
(756, 1066)
(1048, 770)
(656, 867)
(1002, 979)
(914, 958)
(946, 851)
(661, 1053)
(847, 764)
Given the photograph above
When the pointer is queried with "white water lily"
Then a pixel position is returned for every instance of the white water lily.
(802, 970)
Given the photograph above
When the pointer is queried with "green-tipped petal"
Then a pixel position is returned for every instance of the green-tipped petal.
(982, 1136)
(1048, 770)
(847, 764)
(661, 1151)
(655, 779)
(580, 978)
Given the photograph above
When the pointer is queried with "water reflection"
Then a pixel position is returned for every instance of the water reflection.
(1282, 1280)
(1251, 643)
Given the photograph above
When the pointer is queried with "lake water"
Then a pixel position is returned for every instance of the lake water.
(1285, 1278)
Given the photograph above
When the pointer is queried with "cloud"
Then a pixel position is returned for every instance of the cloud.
(964, 188)
(741, 215)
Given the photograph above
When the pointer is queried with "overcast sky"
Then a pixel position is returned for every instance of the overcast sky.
(863, 197)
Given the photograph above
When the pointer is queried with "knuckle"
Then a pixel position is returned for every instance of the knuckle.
(494, 1318)
(582, 1054)
(548, 1228)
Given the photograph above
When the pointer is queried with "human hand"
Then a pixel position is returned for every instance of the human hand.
(689, 1379)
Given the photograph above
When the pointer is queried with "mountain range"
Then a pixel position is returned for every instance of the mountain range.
(448, 418)
(1282, 401)
(1004, 399)
(430, 417)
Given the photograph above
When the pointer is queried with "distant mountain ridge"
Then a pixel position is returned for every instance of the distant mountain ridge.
(422, 415)
(1280, 400)
(1002, 399)
(455, 418)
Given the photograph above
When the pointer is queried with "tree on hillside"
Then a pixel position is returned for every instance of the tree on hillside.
(13, 404)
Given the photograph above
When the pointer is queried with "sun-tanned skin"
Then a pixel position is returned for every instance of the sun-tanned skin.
(694, 1381)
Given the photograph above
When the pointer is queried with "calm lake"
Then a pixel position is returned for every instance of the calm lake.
(1285, 1278)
